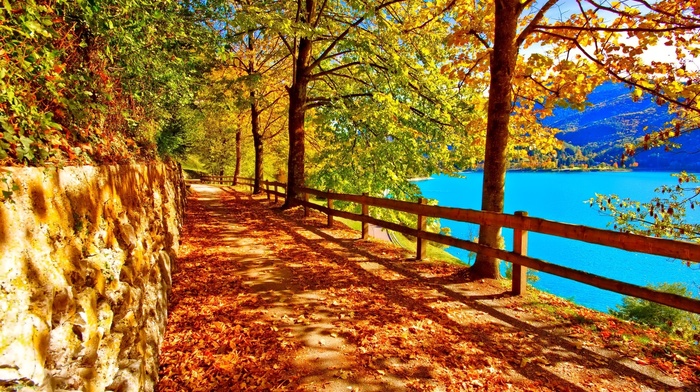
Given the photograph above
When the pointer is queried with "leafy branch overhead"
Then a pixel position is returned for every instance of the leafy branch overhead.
(663, 216)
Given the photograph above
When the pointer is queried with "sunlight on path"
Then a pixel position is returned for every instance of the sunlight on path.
(263, 301)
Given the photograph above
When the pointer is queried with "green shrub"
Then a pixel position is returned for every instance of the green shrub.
(531, 274)
(666, 318)
(94, 80)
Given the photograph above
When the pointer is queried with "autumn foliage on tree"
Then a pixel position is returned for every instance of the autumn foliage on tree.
(576, 50)
(259, 66)
(343, 53)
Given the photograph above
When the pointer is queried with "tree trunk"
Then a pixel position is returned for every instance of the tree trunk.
(297, 115)
(257, 143)
(503, 59)
(237, 170)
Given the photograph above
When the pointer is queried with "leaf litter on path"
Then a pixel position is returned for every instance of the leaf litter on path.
(265, 299)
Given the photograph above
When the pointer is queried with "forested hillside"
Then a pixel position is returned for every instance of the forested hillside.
(598, 134)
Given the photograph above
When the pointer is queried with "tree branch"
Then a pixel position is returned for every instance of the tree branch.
(316, 102)
(614, 75)
(334, 70)
(533, 23)
(618, 29)
(445, 9)
(335, 42)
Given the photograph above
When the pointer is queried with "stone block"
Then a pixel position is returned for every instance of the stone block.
(86, 256)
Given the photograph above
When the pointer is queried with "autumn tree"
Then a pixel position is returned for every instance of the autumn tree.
(663, 216)
(214, 136)
(325, 40)
(258, 55)
(576, 50)
(213, 125)
(407, 118)
(95, 81)
(218, 126)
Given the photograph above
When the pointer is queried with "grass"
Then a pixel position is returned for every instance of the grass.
(191, 163)
(432, 252)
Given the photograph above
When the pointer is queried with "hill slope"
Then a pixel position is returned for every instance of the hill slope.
(612, 120)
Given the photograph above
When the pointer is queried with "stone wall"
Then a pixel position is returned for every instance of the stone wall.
(85, 269)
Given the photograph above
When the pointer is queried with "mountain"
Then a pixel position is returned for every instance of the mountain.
(601, 130)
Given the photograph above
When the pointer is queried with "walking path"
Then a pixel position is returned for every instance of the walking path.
(264, 299)
(379, 233)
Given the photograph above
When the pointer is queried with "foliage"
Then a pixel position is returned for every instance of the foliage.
(258, 70)
(373, 66)
(405, 119)
(386, 113)
(576, 51)
(8, 187)
(663, 216)
(211, 135)
(668, 319)
(222, 109)
(171, 139)
(92, 81)
(531, 274)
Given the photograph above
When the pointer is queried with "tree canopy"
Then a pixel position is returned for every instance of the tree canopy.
(356, 96)
(578, 50)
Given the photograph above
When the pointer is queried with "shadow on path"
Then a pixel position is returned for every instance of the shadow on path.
(264, 300)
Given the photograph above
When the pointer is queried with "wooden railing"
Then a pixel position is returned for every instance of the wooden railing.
(521, 225)
(277, 189)
(212, 179)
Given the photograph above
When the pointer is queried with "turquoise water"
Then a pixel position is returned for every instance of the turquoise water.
(561, 196)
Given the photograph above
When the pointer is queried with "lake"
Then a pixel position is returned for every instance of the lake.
(562, 196)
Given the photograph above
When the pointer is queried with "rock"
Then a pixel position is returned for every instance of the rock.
(127, 235)
(85, 307)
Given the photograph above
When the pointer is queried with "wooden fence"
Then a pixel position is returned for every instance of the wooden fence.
(521, 225)
(224, 180)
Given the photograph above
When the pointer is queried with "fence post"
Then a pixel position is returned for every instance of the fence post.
(519, 247)
(267, 190)
(421, 244)
(306, 208)
(330, 214)
(365, 212)
(276, 196)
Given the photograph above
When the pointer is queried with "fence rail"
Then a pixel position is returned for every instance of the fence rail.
(521, 225)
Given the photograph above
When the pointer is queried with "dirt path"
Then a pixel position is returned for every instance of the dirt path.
(266, 300)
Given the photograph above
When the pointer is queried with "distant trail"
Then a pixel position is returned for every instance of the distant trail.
(266, 300)
(379, 233)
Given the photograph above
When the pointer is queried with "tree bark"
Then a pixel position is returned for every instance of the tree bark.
(502, 67)
(257, 143)
(237, 170)
(297, 115)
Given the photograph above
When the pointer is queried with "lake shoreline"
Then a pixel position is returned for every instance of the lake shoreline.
(562, 196)
(572, 170)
